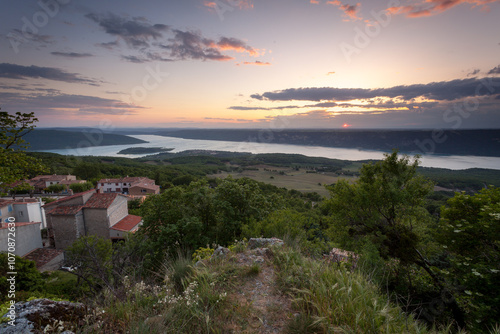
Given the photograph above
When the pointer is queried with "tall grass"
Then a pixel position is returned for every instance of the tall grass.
(332, 299)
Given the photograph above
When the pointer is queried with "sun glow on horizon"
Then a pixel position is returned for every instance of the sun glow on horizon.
(345, 125)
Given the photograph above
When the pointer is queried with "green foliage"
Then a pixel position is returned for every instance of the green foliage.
(385, 206)
(199, 214)
(81, 187)
(470, 234)
(14, 163)
(202, 253)
(28, 278)
(55, 188)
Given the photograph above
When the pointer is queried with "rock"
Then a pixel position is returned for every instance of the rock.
(262, 252)
(264, 242)
(338, 255)
(220, 252)
(34, 316)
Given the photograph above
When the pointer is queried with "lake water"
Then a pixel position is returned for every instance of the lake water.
(179, 144)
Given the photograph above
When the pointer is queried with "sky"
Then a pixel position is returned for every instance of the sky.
(271, 64)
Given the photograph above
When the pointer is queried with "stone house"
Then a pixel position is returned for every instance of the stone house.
(23, 210)
(89, 213)
(134, 186)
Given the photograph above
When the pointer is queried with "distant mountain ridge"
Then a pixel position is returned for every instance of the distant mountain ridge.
(448, 142)
(61, 139)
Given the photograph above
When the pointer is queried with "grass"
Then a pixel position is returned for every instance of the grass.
(334, 300)
(292, 179)
(324, 299)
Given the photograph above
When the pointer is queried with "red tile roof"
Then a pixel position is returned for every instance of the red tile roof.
(65, 210)
(62, 200)
(5, 225)
(5, 202)
(101, 201)
(127, 224)
(145, 186)
(42, 256)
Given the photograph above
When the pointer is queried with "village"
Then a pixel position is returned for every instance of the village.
(45, 223)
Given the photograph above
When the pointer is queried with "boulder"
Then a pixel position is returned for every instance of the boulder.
(264, 242)
(35, 315)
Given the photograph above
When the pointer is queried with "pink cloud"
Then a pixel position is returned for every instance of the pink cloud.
(350, 11)
(433, 7)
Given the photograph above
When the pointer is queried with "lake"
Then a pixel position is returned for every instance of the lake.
(179, 144)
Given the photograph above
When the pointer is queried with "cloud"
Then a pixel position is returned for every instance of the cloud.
(224, 5)
(136, 31)
(330, 73)
(13, 71)
(72, 54)
(350, 11)
(473, 72)
(108, 45)
(257, 62)
(192, 45)
(444, 90)
(495, 70)
(433, 7)
(229, 43)
(315, 2)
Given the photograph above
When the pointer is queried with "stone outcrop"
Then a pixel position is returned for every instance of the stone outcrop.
(37, 315)
(264, 242)
(338, 255)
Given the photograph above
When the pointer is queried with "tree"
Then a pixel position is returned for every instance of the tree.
(81, 187)
(14, 163)
(386, 208)
(55, 188)
(469, 231)
(386, 205)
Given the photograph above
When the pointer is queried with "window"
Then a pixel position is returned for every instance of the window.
(20, 213)
(0, 212)
(102, 184)
(116, 183)
(9, 208)
(143, 190)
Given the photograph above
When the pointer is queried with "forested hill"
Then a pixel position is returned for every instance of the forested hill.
(453, 142)
(59, 139)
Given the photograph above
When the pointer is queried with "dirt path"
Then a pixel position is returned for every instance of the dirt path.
(268, 310)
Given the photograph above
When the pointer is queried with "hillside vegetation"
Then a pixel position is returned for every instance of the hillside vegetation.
(426, 262)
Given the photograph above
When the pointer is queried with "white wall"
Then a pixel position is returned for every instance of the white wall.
(27, 238)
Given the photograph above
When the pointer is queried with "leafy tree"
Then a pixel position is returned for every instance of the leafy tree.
(55, 188)
(469, 231)
(81, 187)
(103, 265)
(28, 278)
(14, 163)
(386, 208)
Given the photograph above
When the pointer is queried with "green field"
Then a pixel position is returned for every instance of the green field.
(289, 178)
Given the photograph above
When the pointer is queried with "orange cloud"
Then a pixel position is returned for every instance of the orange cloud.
(258, 62)
(209, 4)
(350, 11)
(434, 7)
(316, 2)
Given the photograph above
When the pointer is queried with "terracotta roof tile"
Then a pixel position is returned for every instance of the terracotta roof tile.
(101, 201)
(62, 200)
(65, 210)
(42, 256)
(127, 224)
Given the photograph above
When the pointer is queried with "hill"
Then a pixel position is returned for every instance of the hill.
(59, 139)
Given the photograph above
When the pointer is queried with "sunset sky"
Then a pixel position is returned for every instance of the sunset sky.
(261, 63)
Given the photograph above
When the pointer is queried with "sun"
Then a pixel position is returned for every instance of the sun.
(345, 125)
